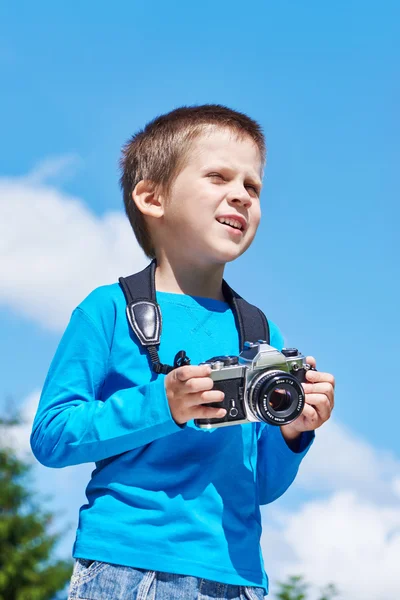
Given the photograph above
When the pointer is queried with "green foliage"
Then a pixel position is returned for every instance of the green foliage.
(297, 589)
(329, 592)
(293, 589)
(27, 571)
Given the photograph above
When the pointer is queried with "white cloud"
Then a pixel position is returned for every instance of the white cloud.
(55, 250)
(17, 436)
(396, 486)
(340, 460)
(351, 535)
(345, 539)
(51, 168)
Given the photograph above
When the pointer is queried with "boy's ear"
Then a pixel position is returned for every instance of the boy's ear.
(148, 199)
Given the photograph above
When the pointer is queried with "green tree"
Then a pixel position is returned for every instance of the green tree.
(27, 570)
(297, 589)
(294, 589)
(329, 592)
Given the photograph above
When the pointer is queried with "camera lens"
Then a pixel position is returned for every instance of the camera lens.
(280, 399)
(275, 397)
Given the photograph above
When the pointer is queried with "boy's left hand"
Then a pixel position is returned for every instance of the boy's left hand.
(319, 396)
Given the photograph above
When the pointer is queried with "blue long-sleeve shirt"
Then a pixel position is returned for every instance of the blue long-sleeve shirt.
(162, 497)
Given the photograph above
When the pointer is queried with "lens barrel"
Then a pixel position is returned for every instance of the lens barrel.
(275, 397)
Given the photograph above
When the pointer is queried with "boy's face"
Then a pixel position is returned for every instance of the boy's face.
(213, 209)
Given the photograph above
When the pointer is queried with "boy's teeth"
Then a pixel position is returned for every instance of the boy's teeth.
(231, 222)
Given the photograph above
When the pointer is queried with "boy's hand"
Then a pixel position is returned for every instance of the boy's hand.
(188, 388)
(319, 396)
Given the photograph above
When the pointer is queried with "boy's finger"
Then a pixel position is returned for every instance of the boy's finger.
(207, 412)
(311, 361)
(311, 415)
(319, 377)
(322, 387)
(321, 404)
(189, 371)
(198, 384)
(211, 396)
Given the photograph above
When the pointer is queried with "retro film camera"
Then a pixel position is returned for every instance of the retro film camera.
(261, 384)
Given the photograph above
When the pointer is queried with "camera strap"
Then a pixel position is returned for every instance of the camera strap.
(144, 316)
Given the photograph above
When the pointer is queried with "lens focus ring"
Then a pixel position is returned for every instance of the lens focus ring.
(275, 397)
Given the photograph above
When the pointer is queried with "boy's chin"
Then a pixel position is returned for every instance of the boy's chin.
(228, 254)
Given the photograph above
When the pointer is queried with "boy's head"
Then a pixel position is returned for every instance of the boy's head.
(195, 167)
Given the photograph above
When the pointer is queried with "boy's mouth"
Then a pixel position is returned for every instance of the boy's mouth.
(238, 223)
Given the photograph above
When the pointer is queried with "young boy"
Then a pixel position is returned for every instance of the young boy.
(173, 510)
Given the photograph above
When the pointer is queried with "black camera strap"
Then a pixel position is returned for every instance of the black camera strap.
(144, 316)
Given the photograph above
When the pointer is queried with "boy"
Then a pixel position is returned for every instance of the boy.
(173, 510)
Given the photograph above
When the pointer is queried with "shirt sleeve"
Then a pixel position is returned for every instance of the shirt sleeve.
(277, 464)
(74, 424)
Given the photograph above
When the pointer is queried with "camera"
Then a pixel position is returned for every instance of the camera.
(261, 384)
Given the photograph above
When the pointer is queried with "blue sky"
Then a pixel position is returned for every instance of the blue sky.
(323, 81)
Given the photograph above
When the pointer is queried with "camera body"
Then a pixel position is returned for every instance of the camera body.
(261, 384)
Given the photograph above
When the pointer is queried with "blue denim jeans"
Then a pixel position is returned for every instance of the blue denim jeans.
(103, 581)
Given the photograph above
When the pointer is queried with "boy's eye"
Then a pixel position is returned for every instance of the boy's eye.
(254, 188)
(249, 186)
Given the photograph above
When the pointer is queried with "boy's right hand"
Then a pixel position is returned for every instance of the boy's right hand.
(188, 389)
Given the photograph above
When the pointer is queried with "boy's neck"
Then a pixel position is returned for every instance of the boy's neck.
(178, 278)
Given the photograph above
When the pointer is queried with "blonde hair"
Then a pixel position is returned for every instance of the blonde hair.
(158, 152)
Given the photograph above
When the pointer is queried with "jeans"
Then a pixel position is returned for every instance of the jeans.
(93, 580)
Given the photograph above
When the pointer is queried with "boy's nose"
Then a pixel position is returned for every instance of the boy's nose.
(240, 196)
